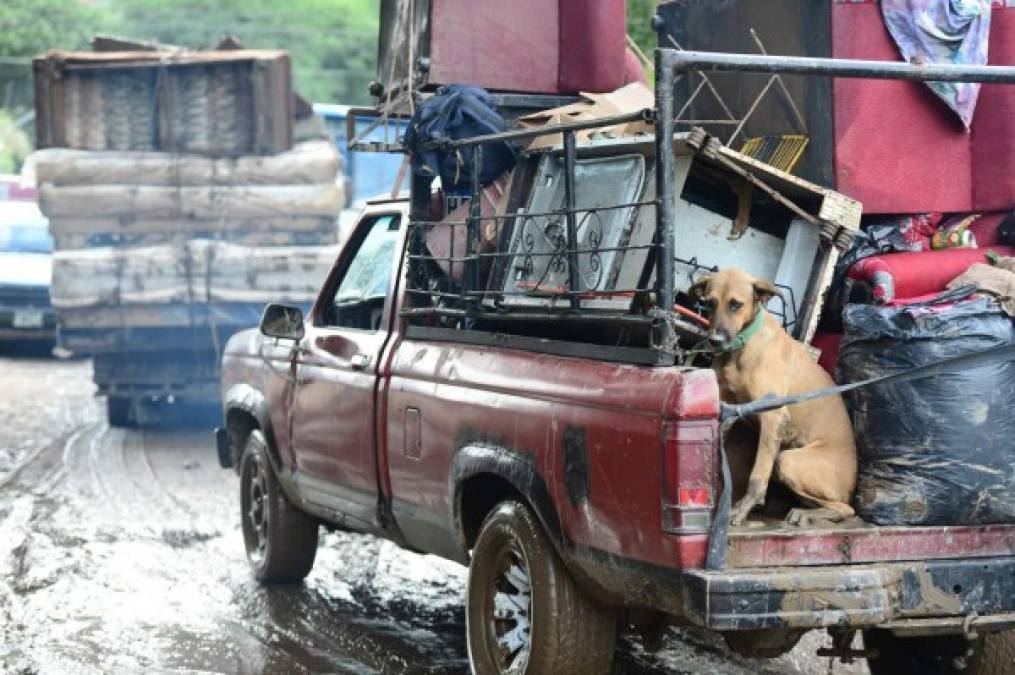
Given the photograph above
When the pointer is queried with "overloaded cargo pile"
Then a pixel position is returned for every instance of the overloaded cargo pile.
(172, 229)
(932, 274)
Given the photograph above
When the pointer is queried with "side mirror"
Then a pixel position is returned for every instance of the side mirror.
(282, 321)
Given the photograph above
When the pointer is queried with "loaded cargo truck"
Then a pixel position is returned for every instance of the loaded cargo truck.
(536, 410)
(181, 197)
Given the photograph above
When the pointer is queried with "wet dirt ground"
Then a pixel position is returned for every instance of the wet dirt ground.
(120, 551)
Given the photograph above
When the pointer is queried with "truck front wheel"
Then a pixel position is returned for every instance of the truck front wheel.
(935, 655)
(525, 613)
(281, 540)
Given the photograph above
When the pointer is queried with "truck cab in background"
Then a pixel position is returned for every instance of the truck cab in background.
(366, 174)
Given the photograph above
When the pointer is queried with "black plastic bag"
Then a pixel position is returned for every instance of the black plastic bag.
(939, 450)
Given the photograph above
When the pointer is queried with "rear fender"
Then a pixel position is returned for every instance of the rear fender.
(513, 467)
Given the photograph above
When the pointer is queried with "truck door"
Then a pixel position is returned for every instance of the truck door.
(336, 374)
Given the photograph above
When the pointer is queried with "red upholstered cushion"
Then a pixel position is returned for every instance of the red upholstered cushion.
(910, 275)
(540, 46)
(592, 45)
(828, 343)
(898, 148)
(993, 139)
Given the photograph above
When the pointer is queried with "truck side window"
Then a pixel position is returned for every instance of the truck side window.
(359, 298)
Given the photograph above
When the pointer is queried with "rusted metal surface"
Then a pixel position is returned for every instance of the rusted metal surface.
(848, 595)
(949, 625)
(146, 100)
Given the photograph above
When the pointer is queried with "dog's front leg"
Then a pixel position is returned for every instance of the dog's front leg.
(769, 441)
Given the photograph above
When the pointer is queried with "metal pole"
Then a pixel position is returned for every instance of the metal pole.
(801, 65)
(667, 203)
(646, 115)
(573, 278)
(470, 278)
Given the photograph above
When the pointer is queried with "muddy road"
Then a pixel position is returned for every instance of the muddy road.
(120, 551)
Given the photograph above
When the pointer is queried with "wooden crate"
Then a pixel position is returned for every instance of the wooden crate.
(218, 103)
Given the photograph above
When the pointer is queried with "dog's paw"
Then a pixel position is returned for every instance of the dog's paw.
(816, 517)
(741, 510)
(799, 517)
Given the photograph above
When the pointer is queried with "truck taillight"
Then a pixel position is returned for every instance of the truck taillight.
(688, 480)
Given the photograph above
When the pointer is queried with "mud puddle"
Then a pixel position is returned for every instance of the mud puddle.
(120, 551)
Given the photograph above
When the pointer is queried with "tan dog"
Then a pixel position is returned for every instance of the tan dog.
(809, 445)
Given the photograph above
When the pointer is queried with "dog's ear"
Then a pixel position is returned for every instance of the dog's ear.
(697, 290)
(765, 290)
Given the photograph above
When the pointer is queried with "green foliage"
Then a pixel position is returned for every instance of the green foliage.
(639, 24)
(332, 42)
(14, 145)
(30, 27)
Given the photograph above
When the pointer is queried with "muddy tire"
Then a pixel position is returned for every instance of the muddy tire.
(524, 613)
(281, 540)
(994, 655)
(118, 412)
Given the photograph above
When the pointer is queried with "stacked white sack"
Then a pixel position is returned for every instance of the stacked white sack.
(198, 270)
(147, 228)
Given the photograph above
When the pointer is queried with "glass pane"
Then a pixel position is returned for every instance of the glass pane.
(359, 299)
(370, 271)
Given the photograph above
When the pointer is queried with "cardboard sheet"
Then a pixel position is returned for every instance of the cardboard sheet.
(629, 98)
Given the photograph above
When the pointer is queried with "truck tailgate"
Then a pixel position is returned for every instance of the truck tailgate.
(787, 545)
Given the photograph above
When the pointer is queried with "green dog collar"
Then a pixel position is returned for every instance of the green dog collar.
(746, 334)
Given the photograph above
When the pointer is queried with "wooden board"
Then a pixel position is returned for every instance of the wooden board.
(222, 103)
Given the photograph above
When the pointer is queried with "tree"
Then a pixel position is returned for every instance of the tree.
(28, 28)
(15, 144)
(639, 24)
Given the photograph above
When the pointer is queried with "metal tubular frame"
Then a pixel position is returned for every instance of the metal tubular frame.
(472, 234)
(666, 194)
(670, 62)
(670, 65)
(646, 115)
(570, 160)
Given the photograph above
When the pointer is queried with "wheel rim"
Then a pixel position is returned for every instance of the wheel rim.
(509, 596)
(256, 515)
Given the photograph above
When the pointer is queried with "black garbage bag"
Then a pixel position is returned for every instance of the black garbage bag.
(457, 112)
(939, 450)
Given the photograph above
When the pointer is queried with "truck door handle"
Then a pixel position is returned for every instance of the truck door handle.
(359, 361)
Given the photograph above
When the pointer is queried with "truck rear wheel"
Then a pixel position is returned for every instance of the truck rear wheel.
(281, 540)
(525, 614)
(935, 655)
(118, 411)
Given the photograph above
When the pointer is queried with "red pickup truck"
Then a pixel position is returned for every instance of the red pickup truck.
(578, 488)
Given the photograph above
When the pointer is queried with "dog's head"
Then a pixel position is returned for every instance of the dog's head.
(734, 298)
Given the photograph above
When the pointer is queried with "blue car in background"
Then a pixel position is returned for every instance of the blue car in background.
(368, 174)
(26, 263)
